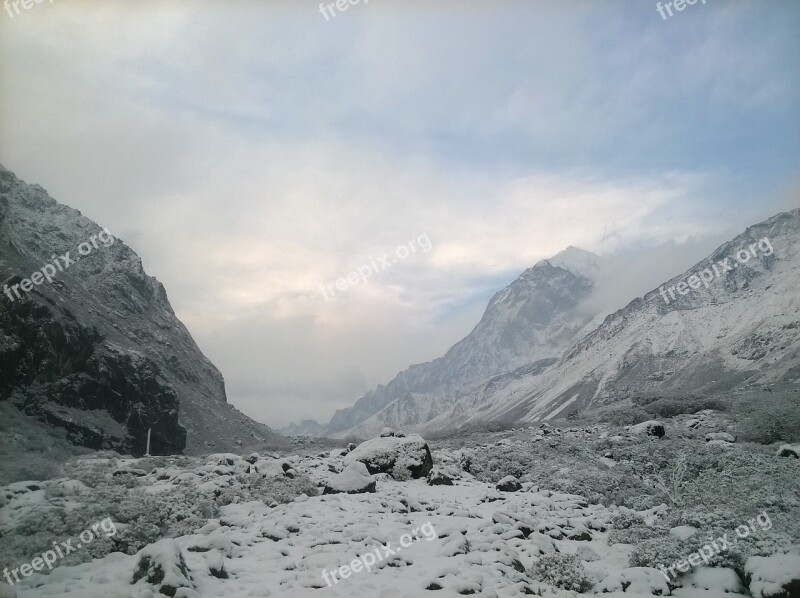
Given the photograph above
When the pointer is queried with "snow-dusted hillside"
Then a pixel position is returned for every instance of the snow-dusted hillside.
(535, 318)
(742, 330)
(98, 350)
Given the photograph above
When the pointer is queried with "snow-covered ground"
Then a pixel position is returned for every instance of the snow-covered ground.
(416, 539)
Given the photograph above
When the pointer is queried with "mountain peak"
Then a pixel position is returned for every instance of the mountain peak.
(578, 261)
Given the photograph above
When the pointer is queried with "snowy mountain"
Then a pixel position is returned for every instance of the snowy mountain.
(89, 342)
(534, 319)
(740, 330)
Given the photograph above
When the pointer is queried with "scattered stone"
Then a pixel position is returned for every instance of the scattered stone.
(252, 458)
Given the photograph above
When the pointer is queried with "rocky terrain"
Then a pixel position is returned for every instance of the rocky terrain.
(544, 510)
(98, 351)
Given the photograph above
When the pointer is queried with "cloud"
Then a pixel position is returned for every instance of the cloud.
(251, 154)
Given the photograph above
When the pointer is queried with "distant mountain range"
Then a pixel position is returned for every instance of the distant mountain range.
(97, 349)
(537, 354)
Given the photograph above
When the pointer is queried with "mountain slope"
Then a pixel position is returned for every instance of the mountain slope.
(98, 349)
(742, 330)
(534, 318)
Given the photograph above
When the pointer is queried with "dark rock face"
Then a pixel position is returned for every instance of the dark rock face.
(97, 348)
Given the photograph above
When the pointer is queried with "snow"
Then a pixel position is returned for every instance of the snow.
(769, 574)
(712, 578)
(683, 532)
(354, 478)
(483, 541)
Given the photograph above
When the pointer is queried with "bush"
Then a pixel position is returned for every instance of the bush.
(561, 570)
(775, 421)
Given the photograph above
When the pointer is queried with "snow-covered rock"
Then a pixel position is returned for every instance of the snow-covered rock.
(789, 450)
(396, 456)
(776, 576)
(439, 478)
(354, 479)
(718, 579)
(649, 428)
(723, 436)
(683, 532)
(162, 564)
(509, 484)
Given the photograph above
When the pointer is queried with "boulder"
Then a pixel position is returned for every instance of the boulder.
(387, 432)
(354, 479)
(723, 436)
(650, 428)
(439, 478)
(776, 576)
(395, 456)
(509, 484)
(162, 564)
(789, 450)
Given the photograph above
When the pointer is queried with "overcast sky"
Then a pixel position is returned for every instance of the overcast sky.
(250, 152)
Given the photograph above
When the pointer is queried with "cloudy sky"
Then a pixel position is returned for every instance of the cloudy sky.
(251, 152)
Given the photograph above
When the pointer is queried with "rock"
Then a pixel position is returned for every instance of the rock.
(134, 472)
(789, 450)
(723, 436)
(776, 576)
(387, 432)
(162, 564)
(350, 447)
(394, 456)
(509, 484)
(683, 532)
(354, 479)
(252, 458)
(645, 581)
(438, 478)
(713, 579)
(650, 428)
(693, 424)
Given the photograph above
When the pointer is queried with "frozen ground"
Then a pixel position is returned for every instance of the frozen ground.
(467, 538)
